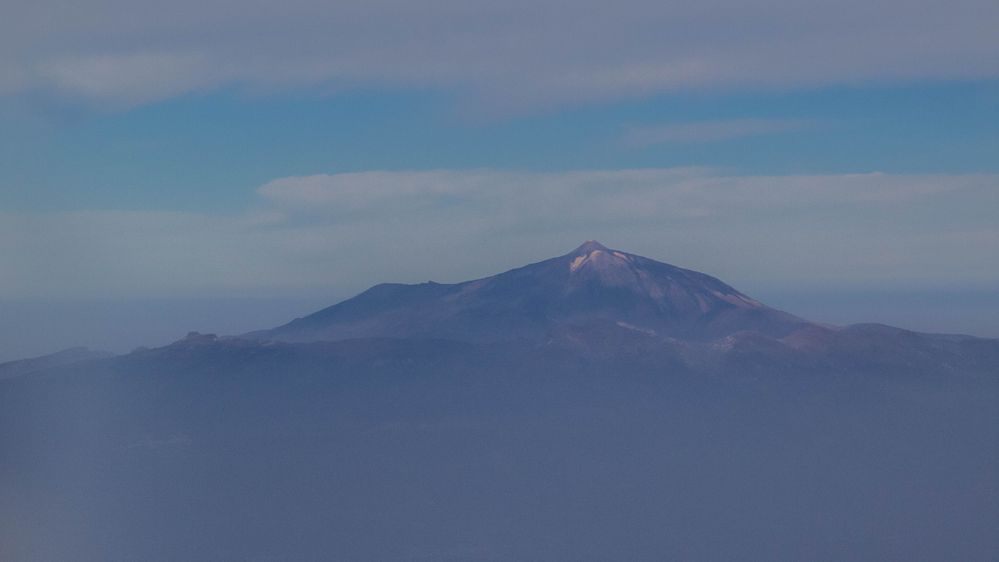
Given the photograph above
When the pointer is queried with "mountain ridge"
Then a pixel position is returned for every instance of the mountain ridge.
(590, 283)
(65, 357)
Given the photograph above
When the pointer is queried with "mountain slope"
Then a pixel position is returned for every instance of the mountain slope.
(590, 284)
(52, 360)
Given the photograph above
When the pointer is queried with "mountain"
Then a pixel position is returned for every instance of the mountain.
(591, 284)
(59, 359)
(599, 301)
(595, 406)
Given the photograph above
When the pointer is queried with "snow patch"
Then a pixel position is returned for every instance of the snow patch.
(599, 258)
(628, 326)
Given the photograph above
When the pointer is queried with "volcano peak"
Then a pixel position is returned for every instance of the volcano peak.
(587, 247)
(592, 284)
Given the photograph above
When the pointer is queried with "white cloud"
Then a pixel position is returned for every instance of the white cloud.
(614, 195)
(507, 55)
(130, 78)
(348, 231)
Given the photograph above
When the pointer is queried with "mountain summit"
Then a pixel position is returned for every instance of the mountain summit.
(590, 285)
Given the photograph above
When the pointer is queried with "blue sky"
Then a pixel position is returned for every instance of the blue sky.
(209, 151)
(203, 151)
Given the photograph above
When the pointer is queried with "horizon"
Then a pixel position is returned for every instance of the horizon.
(114, 324)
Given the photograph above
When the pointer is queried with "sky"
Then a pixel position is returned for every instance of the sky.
(224, 166)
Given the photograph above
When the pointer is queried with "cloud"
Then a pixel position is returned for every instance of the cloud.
(344, 232)
(708, 131)
(595, 195)
(130, 78)
(500, 55)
